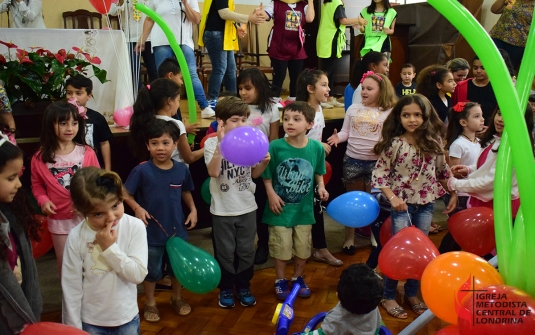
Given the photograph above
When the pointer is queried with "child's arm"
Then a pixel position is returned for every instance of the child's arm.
(139, 211)
(342, 136)
(443, 173)
(39, 189)
(275, 202)
(310, 14)
(106, 154)
(72, 283)
(192, 217)
(257, 170)
(390, 31)
(452, 204)
(185, 150)
(322, 192)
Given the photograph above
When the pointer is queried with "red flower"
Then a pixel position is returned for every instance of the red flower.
(60, 56)
(26, 60)
(21, 53)
(9, 45)
(95, 60)
(2, 59)
(42, 52)
(70, 56)
(78, 50)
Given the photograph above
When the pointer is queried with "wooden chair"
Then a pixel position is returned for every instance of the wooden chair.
(82, 19)
(249, 53)
(115, 23)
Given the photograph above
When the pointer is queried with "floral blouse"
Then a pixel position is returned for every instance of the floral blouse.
(411, 175)
(514, 23)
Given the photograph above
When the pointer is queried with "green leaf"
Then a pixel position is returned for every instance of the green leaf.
(100, 74)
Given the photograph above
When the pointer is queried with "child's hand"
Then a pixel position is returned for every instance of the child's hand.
(220, 130)
(460, 170)
(143, 215)
(266, 159)
(327, 148)
(191, 220)
(106, 236)
(322, 192)
(362, 21)
(275, 203)
(480, 133)
(452, 204)
(48, 208)
(398, 204)
(334, 139)
(192, 128)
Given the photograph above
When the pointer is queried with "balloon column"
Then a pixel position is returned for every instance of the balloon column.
(354, 209)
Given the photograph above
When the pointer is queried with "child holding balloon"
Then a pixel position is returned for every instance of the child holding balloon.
(105, 257)
(412, 173)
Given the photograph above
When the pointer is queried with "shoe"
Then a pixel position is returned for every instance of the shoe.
(212, 103)
(282, 291)
(226, 298)
(278, 102)
(261, 255)
(181, 307)
(336, 262)
(326, 105)
(351, 250)
(418, 308)
(245, 297)
(335, 103)
(364, 232)
(207, 113)
(397, 312)
(304, 291)
(151, 310)
(288, 101)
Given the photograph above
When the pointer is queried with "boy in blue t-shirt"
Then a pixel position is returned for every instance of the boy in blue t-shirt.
(157, 187)
(296, 163)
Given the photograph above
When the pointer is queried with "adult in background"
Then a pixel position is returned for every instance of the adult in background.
(26, 13)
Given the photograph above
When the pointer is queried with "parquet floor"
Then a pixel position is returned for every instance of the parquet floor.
(208, 318)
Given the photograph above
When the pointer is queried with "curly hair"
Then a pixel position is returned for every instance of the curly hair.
(426, 82)
(359, 289)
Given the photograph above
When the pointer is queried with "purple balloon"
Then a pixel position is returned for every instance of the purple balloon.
(244, 146)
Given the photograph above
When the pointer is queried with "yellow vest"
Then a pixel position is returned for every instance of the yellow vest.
(230, 39)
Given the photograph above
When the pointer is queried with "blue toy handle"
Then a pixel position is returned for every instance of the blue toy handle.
(314, 322)
(286, 314)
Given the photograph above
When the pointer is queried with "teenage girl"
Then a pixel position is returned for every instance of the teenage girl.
(436, 83)
(63, 151)
(459, 68)
(372, 61)
(160, 99)
(20, 293)
(409, 142)
(105, 257)
(362, 130)
(381, 20)
(313, 87)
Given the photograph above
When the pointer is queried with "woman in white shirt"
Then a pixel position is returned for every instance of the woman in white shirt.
(25, 13)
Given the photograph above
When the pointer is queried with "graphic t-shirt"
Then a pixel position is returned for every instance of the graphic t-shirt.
(316, 132)
(263, 121)
(66, 166)
(402, 90)
(96, 132)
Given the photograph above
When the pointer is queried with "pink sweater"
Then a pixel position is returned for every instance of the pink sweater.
(47, 188)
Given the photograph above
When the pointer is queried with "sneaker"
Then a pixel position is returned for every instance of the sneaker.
(226, 298)
(207, 113)
(245, 297)
(304, 291)
(288, 101)
(326, 105)
(212, 103)
(278, 102)
(282, 291)
(332, 101)
(364, 232)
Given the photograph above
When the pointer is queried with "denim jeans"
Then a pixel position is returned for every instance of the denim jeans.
(162, 52)
(421, 217)
(223, 64)
(130, 328)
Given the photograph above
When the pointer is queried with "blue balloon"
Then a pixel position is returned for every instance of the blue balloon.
(354, 209)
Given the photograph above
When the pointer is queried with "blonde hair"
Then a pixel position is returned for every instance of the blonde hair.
(92, 185)
(387, 96)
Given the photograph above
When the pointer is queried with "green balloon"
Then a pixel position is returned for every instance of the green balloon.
(205, 191)
(193, 267)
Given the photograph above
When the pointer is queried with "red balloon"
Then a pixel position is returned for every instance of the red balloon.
(207, 137)
(498, 309)
(473, 229)
(44, 246)
(449, 330)
(51, 328)
(329, 172)
(386, 231)
(102, 6)
(407, 254)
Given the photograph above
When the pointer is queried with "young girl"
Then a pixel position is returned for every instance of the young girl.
(20, 293)
(362, 130)
(436, 83)
(253, 88)
(63, 152)
(459, 68)
(313, 87)
(160, 99)
(105, 257)
(377, 33)
(409, 143)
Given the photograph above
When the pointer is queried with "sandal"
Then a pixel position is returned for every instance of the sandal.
(181, 307)
(435, 228)
(396, 312)
(419, 307)
(320, 259)
(351, 250)
(148, 310)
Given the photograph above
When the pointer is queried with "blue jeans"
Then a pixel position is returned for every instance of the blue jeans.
(421, 217)
(162, 52)
(223, 64)
(130, 328)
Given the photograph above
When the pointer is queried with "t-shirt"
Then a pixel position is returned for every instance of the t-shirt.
(214, 22)
(357, 97)
(441, 108)
(467, 151)
(176, 154)
(316, 132)
(66, 166)
(292, 172)
(159, 192)
(402, 90)
(96, 132)
(172, 12)
(485, 97)
(341, 321)
(233, 191)
(263, 121)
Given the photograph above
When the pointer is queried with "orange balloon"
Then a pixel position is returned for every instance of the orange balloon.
(448, 279)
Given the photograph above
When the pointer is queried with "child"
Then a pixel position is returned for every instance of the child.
(63, 152)
(436, 83)
(253, 88)
(158, 187)
(409, 142)
(212, 128)
(406, 86)
(98, 133)
(161, 100)
(359, 291)
(459, 68)
(233, 209)
(20, 293)
(372, 61)
(377, 34)
(105, 257)
(362, 130)
(297, 164)
(313, 87)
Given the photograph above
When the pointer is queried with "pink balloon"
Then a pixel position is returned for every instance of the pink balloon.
(122, 116)
(51, 328)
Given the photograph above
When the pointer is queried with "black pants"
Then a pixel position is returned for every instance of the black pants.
(327, 65)
(260, 196)
(318, 229)
(294, 67)
(373, 259)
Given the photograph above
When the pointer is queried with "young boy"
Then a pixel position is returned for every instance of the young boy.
(406, 86)
(233, 208)
(296, 164)
(98, 133)
(158, 187)
(359, 291)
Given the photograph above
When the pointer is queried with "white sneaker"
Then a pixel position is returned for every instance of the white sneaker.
(326, 105)
(207, 113)
(277, 101)
(335, 103)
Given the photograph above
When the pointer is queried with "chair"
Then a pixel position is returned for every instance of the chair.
(82, 19)
(115, 23)
(249, 53)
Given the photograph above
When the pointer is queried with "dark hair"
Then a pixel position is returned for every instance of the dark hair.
(408, 65)
(157, 128)
(56, 112)
(426, 82)
(8, 152)
(363, 65)
(79, 81)
(531, 98)
(261, 85)
(454, 126)
(488, 136)
(303, 107)
(229, 107)
(458, 64)
(359, 289)
(169, 65)
(507, 61)
(148, 103)
(429, 133)
(371, 8)
(306, 78)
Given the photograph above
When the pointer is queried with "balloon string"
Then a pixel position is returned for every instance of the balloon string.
(410, 221)
(159, 224)
(316, 201)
